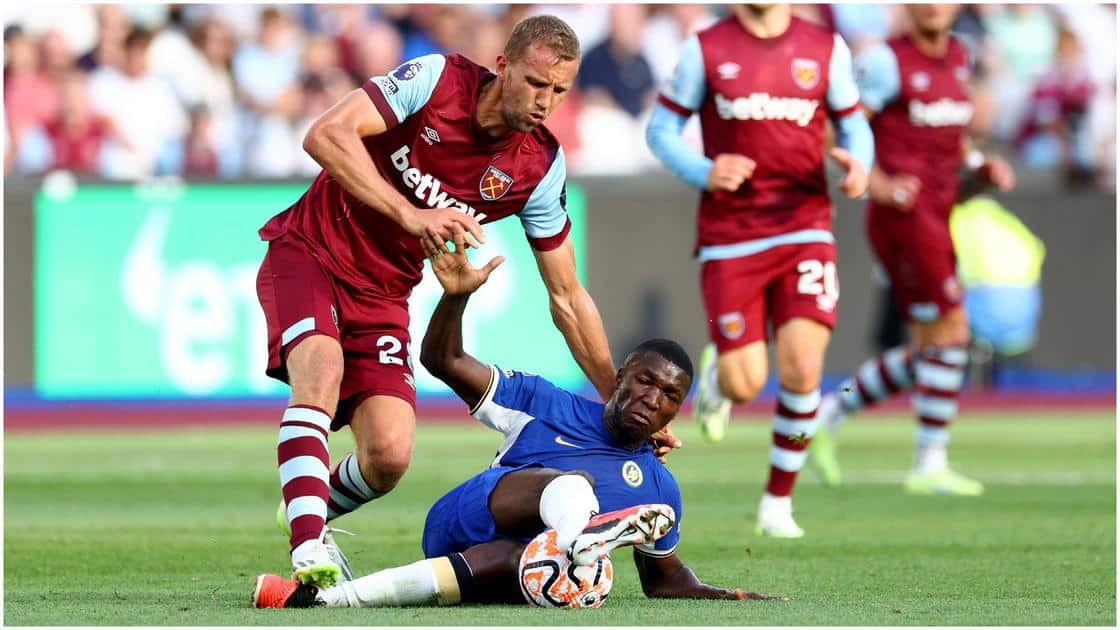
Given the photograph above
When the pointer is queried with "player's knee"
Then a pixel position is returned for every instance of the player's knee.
(744, 386)
(383, 465)
(801, 374)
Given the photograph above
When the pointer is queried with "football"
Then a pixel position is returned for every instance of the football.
(550, 580)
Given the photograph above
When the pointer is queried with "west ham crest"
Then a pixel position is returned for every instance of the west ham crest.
(494, 183)
(806, 73)
(732, 325)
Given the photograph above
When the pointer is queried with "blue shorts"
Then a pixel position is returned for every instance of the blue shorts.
(461, 518)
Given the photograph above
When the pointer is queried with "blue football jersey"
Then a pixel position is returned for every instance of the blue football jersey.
(551, 427)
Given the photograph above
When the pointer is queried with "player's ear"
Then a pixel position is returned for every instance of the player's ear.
(500, 66)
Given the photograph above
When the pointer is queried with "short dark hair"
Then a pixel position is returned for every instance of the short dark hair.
(670, 350)
(548, 31)
(138, 37)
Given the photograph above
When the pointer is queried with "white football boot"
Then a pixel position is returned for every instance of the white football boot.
(710, 407)
(637, 525)
(327, 539)
(775, 518)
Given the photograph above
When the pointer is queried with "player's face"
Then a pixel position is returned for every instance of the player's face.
(533, 86)
(649, 394)
(933, 18)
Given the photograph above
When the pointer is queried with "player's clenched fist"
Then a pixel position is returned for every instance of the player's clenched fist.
(729, 171)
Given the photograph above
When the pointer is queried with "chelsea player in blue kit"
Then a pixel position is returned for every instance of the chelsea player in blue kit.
(583, 468)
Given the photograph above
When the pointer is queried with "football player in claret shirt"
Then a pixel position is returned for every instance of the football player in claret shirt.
(763, 83)
(581, 467)
(438, 146)
(916, 88)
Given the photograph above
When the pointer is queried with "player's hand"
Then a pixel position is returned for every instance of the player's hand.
(663, 442)
(854, 183)
(729, 171)
(454, 270)
(997, 171)
(741, 594)
(900, 191)
(435, 227)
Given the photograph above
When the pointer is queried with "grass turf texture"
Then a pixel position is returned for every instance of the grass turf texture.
(168, 528)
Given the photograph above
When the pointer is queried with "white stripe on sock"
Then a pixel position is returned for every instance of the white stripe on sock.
(800, 403)
(789, 428)
(895, 362)
(303, 506)
(953, 356)
(935, 407)
(868, 376)
(303, 466)
(787, 460)
(303, 414)
(939, 376)
(290, 432)
(350, 475)
(927, 435)
(344, 501)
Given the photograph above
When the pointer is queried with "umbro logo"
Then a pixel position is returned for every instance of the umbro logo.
(430, 136)
(562, 442)
(728, 70)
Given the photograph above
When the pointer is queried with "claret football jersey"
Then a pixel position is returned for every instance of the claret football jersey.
(437, 156)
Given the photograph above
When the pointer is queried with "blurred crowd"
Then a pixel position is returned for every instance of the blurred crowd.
(128, 91)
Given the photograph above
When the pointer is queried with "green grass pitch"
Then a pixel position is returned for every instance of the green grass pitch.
(169, 527)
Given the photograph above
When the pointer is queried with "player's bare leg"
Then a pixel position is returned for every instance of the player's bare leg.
(384, 429)
(735, 376)
(939, 366)
(799, 347)
(315, 367)
(485, 573)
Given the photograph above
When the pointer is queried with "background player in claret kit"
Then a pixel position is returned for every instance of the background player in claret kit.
(916, 87)
(439, 146)
(563, 460)
(762, 82)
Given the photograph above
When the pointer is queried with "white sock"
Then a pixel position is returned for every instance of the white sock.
(930, 458)
(567, 503)
(424, 582)
(771, 504)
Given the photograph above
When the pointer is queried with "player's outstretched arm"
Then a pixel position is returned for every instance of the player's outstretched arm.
(335, 142)
(668, 577)
(576, 316)
(442, 350)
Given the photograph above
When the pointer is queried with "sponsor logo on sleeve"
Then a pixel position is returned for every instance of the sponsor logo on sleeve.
(407, 71)
(388, 86)
(494, 183)
(806, 73)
